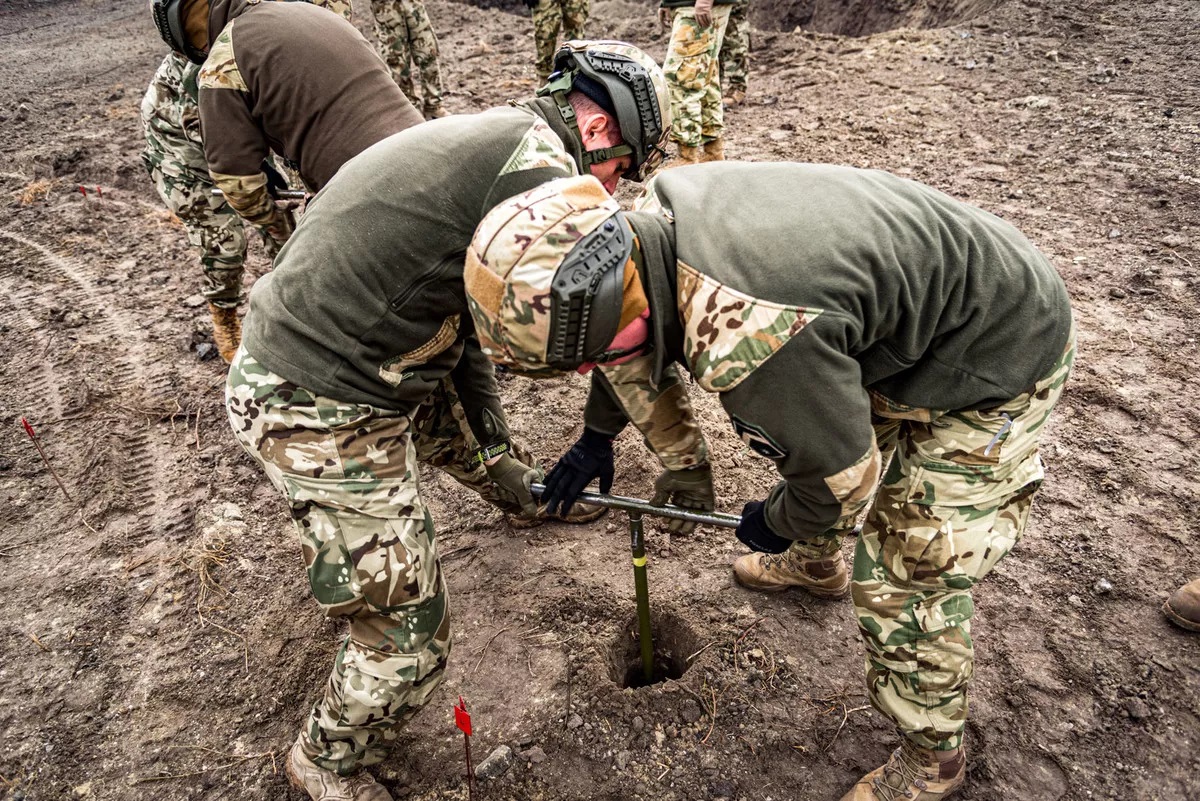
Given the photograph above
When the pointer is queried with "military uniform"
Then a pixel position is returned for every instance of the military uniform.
(837, 313)
(735, 51)
(344, 380)
(174, 157)
(549, 16)
(405, 37)
(693, 72)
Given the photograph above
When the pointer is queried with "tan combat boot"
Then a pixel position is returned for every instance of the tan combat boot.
(765, 572)
(735, 97)
(227, 331)
(913, 774)
(687, 155)
(1183, 607)
(325, 785)
(713, 151)
(579, 514)
(435, 112)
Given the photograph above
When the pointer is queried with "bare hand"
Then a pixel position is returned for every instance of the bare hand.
(664, 18)
(704, 13)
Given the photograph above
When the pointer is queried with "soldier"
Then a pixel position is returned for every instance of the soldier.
(693, 73)
(837, 313)
(735, 53)
(405, 37)
(548, 17)
(1183, 607)
(361, 320)
(174, 157)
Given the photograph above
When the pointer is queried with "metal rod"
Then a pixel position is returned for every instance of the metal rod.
(641, 590)
(641, 507)
(278, 194)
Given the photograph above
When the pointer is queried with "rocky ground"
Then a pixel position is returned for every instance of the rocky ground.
(157, 633)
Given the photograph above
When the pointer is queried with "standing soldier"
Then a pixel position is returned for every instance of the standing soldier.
(174, 157)
(837, 313)
(735, 53)
(693, 71)
(354, 333)
(288, 77)
(405, 37)
(548, 17)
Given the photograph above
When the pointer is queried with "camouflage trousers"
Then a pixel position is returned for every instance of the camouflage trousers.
(693, 73)
(406, 36)
(350, 475)
(735, 48)
(548, 17)
(174, 157)
(953, 502)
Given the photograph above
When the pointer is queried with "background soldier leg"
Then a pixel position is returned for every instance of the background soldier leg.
(547, 19)
(735, 54)
(693, 80)
(349, 472)
(391, 28)
(574, 17)
(422, 43)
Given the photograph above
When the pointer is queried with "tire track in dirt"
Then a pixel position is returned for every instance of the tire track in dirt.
(132, 370)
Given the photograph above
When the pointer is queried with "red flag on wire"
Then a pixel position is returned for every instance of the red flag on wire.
(462, 719)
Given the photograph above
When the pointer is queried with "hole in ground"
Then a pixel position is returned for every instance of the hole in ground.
(864, 17)
(674, 641)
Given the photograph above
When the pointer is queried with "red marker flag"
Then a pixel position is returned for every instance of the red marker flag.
(462, 719)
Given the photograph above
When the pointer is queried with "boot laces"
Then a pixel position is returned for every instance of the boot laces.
(909, 773)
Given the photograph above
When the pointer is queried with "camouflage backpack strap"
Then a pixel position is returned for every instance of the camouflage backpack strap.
(727, 333)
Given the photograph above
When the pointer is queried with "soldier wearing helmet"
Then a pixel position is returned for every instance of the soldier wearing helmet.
(359, 347)
(839, 314)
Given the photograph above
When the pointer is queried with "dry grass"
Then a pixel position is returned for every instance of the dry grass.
(37, 191)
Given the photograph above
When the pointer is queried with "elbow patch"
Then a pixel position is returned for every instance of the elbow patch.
(757, 439)
(854, 486)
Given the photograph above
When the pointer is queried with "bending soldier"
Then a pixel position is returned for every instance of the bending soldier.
(350, 339)
(837, 313)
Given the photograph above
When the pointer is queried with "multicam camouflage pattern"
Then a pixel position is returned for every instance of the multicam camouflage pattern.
(548, 17)
(692, 69)
(349, 472)
(512, 259)
(662, 411)
(539, 147)
(727, 333)
(735, 47)
(174, 157)
(220, 69)
(405, 37)
(953, 502)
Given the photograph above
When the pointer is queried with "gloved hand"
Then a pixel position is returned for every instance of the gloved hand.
(691, 488)
(703, 11)
(665, 16)
(754, 532)
(590, 457)
(513, 477)
(282, 224)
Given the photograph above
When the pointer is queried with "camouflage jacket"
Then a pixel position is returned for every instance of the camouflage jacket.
(171, 119)
(366, 302)
(296, 79)
(812, 297)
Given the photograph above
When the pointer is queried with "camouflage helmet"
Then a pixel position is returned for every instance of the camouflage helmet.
(625, 82)
(545, 277)
(170, 17)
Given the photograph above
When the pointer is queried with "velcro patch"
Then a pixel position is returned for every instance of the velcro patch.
(757, 439)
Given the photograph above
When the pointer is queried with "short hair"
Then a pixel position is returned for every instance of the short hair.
(584, 106)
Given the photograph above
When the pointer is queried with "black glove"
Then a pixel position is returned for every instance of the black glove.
(754, 532)
(590, 457)
(276, 182)
(691, 489)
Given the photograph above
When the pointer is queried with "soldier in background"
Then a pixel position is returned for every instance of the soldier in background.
(735, 54)
(406, 37)
(837, 313)
(548, 17)
(693, 73)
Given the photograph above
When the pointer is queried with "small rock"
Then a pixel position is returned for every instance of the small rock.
(1075, 600)
(231, 511)
(622, 760)
(1102, 587)
(574, 722)
(1117, 292)
(496, 765)
(206, 351)
(690, 711)
(193, 301)
(535, 755)
(1114, 233)
(525, 740)
(638, 723)
(1136, 709)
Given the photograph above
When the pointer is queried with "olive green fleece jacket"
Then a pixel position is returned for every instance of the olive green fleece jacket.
(366, 301)
(805, 293)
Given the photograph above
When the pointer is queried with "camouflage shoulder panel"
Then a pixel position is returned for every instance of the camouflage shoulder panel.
(339, 7)
(649, 201)
(220, 70)
(727, 333)
(539, 147)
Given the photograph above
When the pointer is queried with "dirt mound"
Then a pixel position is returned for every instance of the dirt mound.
(864, 17)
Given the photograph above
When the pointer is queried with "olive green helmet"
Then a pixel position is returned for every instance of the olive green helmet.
(625, 82)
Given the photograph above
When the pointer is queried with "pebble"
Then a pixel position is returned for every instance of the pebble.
(535, 755)
(1075, 600)
(638, 723)
(622, 760)
(574, 722)
(1136, 709)
(1117, 292)
(496, 764)
(1102, 587)
(206, 351)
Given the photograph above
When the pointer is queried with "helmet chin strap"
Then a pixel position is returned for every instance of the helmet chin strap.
(559, 85)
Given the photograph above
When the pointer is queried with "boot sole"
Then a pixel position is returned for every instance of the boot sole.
(1178, 619)
(824, 595)
(576, 519)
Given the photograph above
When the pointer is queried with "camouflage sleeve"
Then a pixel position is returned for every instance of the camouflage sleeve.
(806, 409)
(662, 413)
(474, 378)
(538, 157)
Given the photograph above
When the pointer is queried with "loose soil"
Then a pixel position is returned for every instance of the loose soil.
(158, 638)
